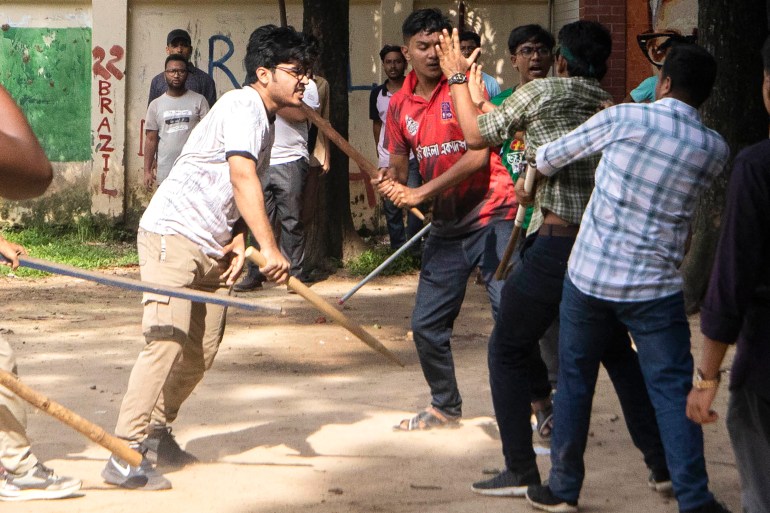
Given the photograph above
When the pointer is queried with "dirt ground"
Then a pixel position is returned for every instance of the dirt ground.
(297, 415)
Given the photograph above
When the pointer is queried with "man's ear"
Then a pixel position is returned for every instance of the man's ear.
(513, 62)
(560, 66)
(664, 87)
(168, 50)
(405, 51)
(264, 76)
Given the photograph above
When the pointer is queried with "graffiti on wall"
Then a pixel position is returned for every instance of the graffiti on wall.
(105, 71)
(47, 71)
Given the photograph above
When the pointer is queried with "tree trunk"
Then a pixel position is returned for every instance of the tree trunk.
(329, 230)
(282, 12)
(733, 32)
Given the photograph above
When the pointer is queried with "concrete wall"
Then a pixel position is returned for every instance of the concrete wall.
(90, 64)
(45, 61)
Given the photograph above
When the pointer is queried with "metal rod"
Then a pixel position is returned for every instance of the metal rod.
(143, 286)
(386, 263)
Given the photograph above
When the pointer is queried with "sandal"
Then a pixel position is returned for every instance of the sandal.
(544, 424)
(427, 419)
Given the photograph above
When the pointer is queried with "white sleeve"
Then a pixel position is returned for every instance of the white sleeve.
(241, 128)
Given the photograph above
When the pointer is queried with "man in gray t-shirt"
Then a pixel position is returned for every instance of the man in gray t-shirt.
(170, 119)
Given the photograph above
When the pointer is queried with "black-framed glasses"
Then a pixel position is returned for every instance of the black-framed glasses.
(655, 45)
(529, 51)
(298, 74)
(177, 72)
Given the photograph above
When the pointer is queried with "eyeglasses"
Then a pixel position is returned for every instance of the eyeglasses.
(529, 51)
(655, 45)
(177, 72)
(298, 74)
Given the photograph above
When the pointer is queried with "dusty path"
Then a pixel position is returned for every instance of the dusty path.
(298, 416)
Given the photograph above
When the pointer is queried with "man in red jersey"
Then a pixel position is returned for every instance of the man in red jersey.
(473, 210)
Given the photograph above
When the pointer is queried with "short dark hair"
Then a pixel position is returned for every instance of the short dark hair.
(270, 45)
(766, 54)
(175, 57)
(425, 20)
(529, 34)
(586, 45)
(692, 71)
(389, 48)
(469, 35)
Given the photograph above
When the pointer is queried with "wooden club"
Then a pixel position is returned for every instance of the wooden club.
(529, 184)
(113, 444)
(339, 141)
(324, 307)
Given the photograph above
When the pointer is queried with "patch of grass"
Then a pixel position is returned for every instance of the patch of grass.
(370, 259)
(85, 244)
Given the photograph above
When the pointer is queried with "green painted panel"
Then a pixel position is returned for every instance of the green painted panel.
(48, 72)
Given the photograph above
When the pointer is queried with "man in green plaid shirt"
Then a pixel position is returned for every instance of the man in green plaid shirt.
(546, 109)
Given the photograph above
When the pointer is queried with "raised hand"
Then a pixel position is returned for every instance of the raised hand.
(476, 85)
(451, 59)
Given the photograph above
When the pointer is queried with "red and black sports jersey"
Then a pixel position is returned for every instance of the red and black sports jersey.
(430, 129)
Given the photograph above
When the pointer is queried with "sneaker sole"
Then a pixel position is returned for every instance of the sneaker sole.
(31, 494)
(508, 491)
(133, 482)
(663, 487)
(556, 508)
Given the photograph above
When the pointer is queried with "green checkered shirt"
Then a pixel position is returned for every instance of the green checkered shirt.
(546, 109)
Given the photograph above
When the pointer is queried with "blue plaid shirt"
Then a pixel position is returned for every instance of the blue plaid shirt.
(656, 160)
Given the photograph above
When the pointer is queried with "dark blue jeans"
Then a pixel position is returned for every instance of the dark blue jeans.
(447, 264)
(528, 306)
(394, 216)
(592, 326)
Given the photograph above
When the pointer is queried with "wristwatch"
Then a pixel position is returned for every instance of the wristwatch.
(702, 384)
(457, 78)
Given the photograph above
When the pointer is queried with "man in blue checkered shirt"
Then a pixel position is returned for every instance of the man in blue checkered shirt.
(623, 271)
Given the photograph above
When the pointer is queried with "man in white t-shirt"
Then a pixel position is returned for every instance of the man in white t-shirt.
(283, 186)
(170, 119)
(394, 66)
(193, 235)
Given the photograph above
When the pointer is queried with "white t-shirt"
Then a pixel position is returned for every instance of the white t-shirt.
(196, 200)
(291, 137)
(173, 117)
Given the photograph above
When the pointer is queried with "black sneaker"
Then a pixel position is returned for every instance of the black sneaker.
(710, 507)
(118, 472)
(508, 484)
(660, 481)
(163, 450)
(249, 283)
(541, 497)
(39, 482)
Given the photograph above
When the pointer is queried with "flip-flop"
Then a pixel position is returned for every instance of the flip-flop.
(544, 425)
(427, 419)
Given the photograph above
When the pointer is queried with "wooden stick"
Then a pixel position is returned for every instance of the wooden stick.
(143, 286)
(529, 184)
(113, 444)
(317, 301)
(341, 143)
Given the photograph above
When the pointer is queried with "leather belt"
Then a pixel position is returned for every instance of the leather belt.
(558, 230)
